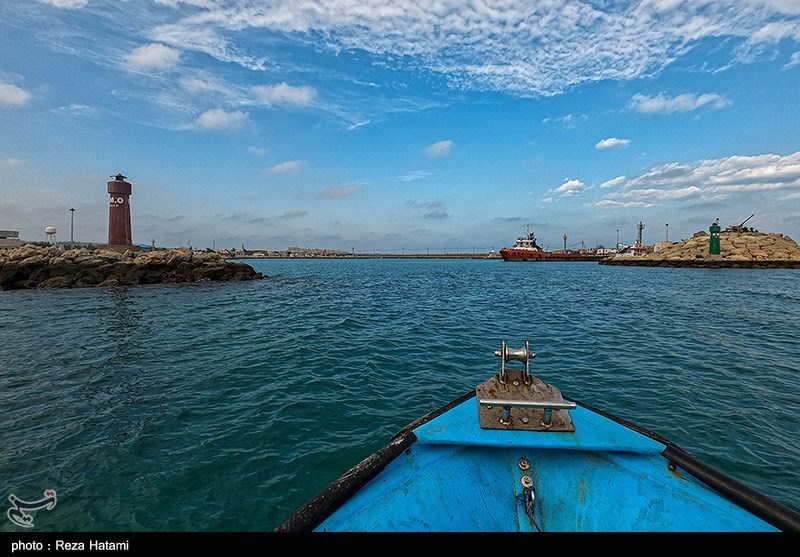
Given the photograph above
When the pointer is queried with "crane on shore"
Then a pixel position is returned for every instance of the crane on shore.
(741, 227)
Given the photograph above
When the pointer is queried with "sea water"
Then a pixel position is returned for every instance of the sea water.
(225, 406)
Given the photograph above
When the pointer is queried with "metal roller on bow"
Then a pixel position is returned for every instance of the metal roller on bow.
(523, 355)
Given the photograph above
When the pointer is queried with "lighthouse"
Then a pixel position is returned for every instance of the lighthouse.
(119, 212)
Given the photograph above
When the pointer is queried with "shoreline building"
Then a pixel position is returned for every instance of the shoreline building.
(9, 239)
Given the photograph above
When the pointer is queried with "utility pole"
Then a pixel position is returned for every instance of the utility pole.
(71, 226)
(667, 232)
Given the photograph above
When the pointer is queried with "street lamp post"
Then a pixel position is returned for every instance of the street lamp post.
(667, 232)
(71, 226)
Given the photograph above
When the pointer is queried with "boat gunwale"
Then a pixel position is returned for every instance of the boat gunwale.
(331, 498)
(327, 501)
(762, 506)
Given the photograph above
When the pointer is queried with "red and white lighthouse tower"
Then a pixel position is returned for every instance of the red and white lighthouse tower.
(119, 212)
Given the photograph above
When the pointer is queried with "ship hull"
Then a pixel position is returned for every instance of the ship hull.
(539, 255)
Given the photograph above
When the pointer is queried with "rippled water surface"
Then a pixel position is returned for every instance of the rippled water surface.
(224, 406)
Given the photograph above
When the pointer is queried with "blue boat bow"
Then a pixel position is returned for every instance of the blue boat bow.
(515, 456)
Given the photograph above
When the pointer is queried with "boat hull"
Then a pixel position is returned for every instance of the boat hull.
(444, 473)
(510, 254)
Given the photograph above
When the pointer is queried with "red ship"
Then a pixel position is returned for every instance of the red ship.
(526, 249)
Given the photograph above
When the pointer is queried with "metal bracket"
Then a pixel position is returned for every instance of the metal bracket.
(537, 406)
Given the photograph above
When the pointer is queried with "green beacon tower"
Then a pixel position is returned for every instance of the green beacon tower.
(713, 245)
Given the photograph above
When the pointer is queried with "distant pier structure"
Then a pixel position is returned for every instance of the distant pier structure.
(9, 239)
(119, 212)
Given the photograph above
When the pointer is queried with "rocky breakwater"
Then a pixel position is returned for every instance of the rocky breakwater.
(737, 249)
(33, 266)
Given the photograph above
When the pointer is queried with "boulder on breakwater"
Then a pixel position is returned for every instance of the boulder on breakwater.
(737, 249)
(32, 266)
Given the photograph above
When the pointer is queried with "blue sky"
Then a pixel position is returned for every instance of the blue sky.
(399, 124)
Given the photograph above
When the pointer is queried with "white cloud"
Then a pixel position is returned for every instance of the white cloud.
(217, 118)
(529, 48)
(709, 179)
(570, 188)
(569, 120)
(439, 149)
(658, 194)
(613, 182)
(11, 95)
(680, 103)
(794, 60)
(152, 56)
(622, 204)
(775, 31)
(413, 175)
(208, 86)
(287, 167)
(67, 4)
(357, 125)
(258, 151)
(11, 163)
(612, 142)
(76, 109)
(338, 193)
(200, 34)
(284, 94)
(764, 171)
(735, 170)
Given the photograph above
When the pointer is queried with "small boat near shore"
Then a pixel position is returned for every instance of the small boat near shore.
(527, 249)
(515, 455)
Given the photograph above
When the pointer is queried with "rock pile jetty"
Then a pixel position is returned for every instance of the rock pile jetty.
(32, 266)
(737, 249)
